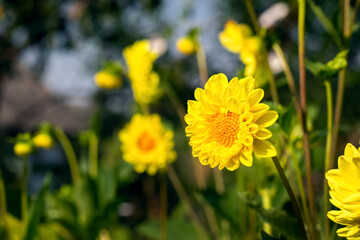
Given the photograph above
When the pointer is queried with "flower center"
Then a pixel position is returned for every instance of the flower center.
(224, 128)
(145, 142)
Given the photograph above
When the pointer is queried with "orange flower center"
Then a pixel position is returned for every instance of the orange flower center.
(224, 128)
(145, 142)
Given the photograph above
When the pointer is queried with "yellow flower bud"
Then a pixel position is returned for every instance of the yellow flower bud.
(22, 149)
(185, 46)
(43, 140)
(107, 80)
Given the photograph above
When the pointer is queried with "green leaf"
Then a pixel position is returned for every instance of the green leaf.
(328, 70)
(288, 120)
(36, 211)
(279, 220)
(327, 24)
(265, 236)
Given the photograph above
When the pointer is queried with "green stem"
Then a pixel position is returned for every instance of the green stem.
(219, 181)
(163, 207)
(24, 193)
(302, 74)
(201, 61)
(341, 84)
(253, 17)
(185, 201)
(240, 185)
(251, 11)
(291, 195)
(93, 155)
(69, 152)
(328, 154)
(3, 211)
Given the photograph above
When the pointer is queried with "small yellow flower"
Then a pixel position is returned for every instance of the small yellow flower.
(107, 80)
(22, 149)
(185, 46)
(344, 184)
(238, 38)
(234, 35)
(227, 123)
(146, 144)
(43, 140)
(144, 81)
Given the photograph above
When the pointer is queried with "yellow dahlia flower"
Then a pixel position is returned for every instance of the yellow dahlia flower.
(185, 46)
(227, 123)
(146, 144)
(107, 80)
(344, 192)
(144, 81)
(43, 140)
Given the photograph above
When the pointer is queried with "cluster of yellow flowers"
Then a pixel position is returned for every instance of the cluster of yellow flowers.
(239, 39)
(25, 144)
(227, 123)
(146, 144)
(144, 81)
(344, 185)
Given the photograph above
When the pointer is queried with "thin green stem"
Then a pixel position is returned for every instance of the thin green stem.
(291, 195)
(341, 83)
(3, 209)
(289, 77)
(199, 173)
(93, 155)
(251, 11)
(302, 75)
(241, 187)
(24, 193)
(163, 207)
(327, 154)
(201, 61)
(69, 152)
(186, 201)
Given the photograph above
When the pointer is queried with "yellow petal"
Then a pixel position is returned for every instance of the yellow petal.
(217, 83)
(255, 96)
(268, 119)
(264, 148)
(263, 134)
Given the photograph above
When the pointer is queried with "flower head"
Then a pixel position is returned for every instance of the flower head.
(43, 140)
(24, 145)
(239, 39)
(185, 45)
(104, 79)
(146, 144)
(344, 184)
(144, 81)
(227, 123)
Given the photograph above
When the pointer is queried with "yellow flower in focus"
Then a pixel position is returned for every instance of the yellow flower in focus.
(144, 81)
(107, 80)
(227, 123)
(146, 144)
(234, 35)
(43, 140)
(344, 184)
(22, 149)
(185, 46)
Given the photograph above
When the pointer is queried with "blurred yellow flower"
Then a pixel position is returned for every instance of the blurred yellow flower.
(104, 79)
(144, 81)
(43, 140)
(22, 149)
(344, 184)
(146, 144)
(227, 123)
(185, 46)
(239, 39)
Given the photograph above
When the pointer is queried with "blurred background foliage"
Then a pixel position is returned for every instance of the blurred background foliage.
(49, 53)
